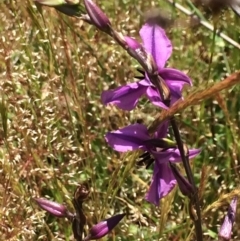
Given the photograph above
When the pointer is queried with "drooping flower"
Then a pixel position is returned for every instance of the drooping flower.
(104, 227)
(156, 42)
(226, 228)
(162, 152)
(185, 187)
(54, 208)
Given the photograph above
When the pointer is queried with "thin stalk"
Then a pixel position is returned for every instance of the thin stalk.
(194, 200)
(184, 157)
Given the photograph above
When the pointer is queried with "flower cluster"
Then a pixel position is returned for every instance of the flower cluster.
(162, 151)
(163, 87)
(158, 45)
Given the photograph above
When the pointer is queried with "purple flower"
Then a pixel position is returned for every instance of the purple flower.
(159, 46)
(135, 137)
(226, 228)
(54, 208)
(97, 16)
(104, 227)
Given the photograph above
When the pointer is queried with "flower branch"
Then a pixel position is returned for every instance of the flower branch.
(194, 199)
(152, 57)
(163, 87)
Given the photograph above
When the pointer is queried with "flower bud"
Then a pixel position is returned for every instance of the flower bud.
(98, 17)
(54, 208)
(53, 3)
(226, 228)
(136, 50)
(185, 187)
(132, 43)
(104, 227)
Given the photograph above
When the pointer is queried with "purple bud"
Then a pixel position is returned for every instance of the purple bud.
(226, 228)
(98, 17)
(104, 227)
(132, 43)
(54, 208)
(185, 187)
(137, 51)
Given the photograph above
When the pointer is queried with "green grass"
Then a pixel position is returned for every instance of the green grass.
(53, 69)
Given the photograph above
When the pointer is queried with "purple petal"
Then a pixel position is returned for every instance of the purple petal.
(226, 228)
(157, 43)
(154, 97)
(145, 82)
(163, 156)
(132, 43)
(185, 187)
(125, 97)
(173, 155)
(176, 76)
(162, 130)
(163, 182)
(104, 227)
(152, 93)
(54, 208)
(176, 94)
(175, 80)
(176, 157)
(128, 138)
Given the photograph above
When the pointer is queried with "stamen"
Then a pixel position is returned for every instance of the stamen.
(145, 159)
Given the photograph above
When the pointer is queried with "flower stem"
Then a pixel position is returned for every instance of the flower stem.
(194, 200)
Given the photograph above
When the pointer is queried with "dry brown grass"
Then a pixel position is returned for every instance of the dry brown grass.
(52, 72)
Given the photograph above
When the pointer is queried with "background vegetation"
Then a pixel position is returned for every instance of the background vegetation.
(53, 69)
